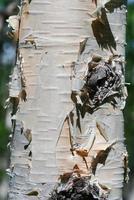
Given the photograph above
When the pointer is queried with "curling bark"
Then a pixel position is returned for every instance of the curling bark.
(67, 93)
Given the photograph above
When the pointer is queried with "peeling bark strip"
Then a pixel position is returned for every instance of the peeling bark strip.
(67, 92)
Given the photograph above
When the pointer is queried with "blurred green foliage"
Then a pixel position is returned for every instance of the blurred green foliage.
(129, 110)
(5, 70)
(4, 74)
(4, 2)
(2, 174)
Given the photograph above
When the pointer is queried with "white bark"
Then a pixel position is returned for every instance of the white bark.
(50, 36)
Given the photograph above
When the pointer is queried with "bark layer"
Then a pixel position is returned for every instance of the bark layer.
(58, 42)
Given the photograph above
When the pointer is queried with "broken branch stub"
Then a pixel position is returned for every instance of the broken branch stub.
(102, 84)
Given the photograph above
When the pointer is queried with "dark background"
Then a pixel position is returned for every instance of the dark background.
(7, 59)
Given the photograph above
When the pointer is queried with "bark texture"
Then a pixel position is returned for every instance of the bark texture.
(67, 93)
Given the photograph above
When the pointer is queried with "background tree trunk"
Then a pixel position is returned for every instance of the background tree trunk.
(68, 88)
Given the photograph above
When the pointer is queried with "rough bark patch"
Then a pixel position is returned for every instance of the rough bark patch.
(79, 188)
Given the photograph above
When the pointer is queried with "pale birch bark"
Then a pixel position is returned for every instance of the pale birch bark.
(49, 41)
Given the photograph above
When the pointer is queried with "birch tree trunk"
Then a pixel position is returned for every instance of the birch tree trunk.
(67, 93)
